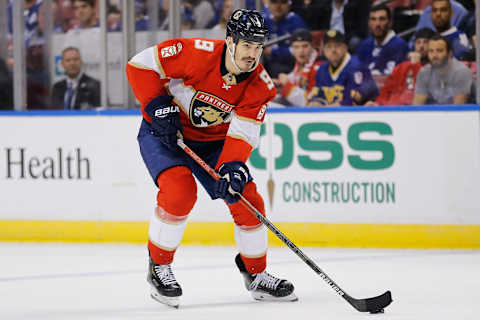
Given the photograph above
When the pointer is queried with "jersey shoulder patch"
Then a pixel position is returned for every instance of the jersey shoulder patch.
(191, 47)
(172, 50)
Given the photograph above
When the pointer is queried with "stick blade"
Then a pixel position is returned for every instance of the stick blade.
(377, 304)
(372, 305)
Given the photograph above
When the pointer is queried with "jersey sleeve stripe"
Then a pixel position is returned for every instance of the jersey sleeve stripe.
(236, 136)
(139, 66)
(146, 60)
(253, 121)
(159, 64)
(249, 131)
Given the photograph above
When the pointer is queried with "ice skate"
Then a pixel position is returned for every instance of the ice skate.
(265, 287)
(164, 287)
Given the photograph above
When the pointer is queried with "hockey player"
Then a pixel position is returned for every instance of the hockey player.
(214, 93)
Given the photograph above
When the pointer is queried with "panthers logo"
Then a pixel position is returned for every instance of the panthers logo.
(207, 110)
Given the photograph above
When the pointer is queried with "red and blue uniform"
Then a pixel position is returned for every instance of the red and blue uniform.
(221, 115)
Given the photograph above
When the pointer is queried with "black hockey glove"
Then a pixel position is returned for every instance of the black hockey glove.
(165, 120)
(234, 175)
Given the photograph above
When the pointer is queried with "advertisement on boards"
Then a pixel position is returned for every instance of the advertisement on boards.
(362, 167)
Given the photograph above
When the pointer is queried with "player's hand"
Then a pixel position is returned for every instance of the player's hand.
(234, 175)
(165, 120)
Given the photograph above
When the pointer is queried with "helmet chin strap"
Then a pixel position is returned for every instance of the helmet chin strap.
(231, 53)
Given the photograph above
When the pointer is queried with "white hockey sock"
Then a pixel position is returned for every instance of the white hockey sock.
(251, 241)
(165, 229)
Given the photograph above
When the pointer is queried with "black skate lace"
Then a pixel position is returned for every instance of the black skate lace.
(265, 279)
(165, 274)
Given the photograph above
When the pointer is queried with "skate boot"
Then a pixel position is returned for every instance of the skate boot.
(264, 286)
(164, 288)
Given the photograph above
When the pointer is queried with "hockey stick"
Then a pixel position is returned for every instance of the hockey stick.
(277, 40)
(372, 305)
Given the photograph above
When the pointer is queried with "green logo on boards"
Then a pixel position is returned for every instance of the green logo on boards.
(302, 149)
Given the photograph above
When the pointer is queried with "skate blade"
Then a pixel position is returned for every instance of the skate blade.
(261, 296)
(173, 302)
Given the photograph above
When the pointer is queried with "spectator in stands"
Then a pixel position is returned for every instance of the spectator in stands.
(343, 80)
(188, 22)
(163, 15)
(227, 7)
(458, 14)
(383, 50)
(445, 80)
(280, 21)
(6, 87)
(78, 90)
(67, 13)
(221, 7)
(202, 11)
(60, 14)
(348, 17)
(297, 83)
(399, 87)
(38, 91)
(141, 18)
(441, 16)
(85, 13)
(114, 19)
(31, 12)
(312, 12)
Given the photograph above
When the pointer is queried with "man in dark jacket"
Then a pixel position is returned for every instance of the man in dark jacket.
(347, 16)
(78, 90)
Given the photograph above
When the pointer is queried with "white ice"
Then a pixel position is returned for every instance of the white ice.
(107, 281)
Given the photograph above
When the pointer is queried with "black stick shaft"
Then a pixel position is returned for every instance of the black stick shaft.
(266, 222)
(359, 304)
(292, 246)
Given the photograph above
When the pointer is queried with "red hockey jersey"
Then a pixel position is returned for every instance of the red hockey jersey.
(213, 108)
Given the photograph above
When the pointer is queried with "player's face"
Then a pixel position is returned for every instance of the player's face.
(437, 53)
(441, 14)
(72, 63)
(421, 46)
(247, 53)
(378, 23)
(334, 51)
(301, 50)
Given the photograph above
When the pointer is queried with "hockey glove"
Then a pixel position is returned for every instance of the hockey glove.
(234, 175)
(165, 120)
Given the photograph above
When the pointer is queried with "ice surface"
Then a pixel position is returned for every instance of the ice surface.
(107, 281)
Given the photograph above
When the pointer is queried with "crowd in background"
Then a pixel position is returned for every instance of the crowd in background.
(341, 53)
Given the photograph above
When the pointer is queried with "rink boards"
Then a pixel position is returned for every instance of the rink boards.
(353, 177)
